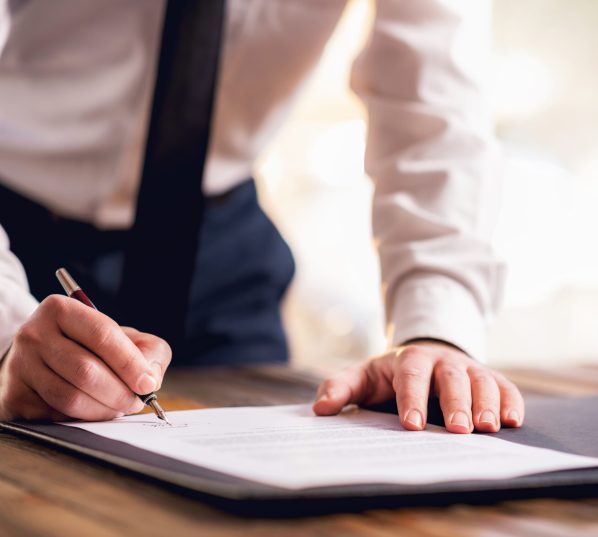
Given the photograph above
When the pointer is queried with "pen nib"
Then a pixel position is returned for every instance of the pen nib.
(159, 411)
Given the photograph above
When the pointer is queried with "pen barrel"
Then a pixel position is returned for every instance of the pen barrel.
(79, 295)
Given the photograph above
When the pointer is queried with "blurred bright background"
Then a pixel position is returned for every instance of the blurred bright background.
(544, 91)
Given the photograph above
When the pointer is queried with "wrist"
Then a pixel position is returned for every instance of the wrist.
(433, 341)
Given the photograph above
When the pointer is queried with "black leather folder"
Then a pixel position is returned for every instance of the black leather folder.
(561, 423)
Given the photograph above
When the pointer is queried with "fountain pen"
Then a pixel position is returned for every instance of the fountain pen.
(73, 290)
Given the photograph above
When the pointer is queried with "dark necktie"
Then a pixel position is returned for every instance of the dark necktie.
(159, 261)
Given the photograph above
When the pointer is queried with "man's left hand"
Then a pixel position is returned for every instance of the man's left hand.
(471, 395)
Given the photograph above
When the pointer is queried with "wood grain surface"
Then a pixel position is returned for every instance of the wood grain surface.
(47, 492)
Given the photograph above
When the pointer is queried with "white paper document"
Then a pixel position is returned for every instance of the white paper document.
(287, 446)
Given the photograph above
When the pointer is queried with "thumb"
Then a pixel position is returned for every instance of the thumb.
(350, 386)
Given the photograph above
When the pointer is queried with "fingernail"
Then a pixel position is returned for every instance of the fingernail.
(322, 397)
(414, 417)
(513, 416)
(120, 415)
(488, 417)
(334, 394)
(460, 418)
(146, 384)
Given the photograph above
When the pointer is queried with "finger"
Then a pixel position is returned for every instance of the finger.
(64, 397)
(88, 373)
(512, 406)
(368, 383)
(337, 392)
(155, 350)
(454, 392)
(486, 400)
(102, 336)
(412, 386)
(32, 407)
(20, 401)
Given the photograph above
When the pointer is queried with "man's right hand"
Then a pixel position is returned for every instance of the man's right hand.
(71, 361)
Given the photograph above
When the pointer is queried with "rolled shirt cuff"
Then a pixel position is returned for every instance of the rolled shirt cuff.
(437, 307)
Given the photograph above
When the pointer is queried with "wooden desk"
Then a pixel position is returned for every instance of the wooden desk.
(45, 492)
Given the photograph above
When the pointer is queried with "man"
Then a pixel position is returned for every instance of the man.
(76, 83)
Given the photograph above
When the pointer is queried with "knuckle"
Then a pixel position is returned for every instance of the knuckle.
(410, 372)
(55, 304)
(123, 400)
(507, 386)
(165, 350)
(499, 377)
(128, 365)
(30, 413)
(486, 400)
(450, 371)
(388, 355)
(512, 391)
(86, 373)
(354, 371)
(101, 333)
(335, 384)
(505, 383)
(457, 403)
(33, 412)
(511, 386)
(481, 378)
(410, 352)
(480, 406)
(27, 334)
(409, 398)
(327, 384)
(407, 380)
(71, 402)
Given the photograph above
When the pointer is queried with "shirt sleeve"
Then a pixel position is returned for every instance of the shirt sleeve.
(435, 167)
(16, 303)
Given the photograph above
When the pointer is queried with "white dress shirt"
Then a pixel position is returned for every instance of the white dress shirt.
(76, 78)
